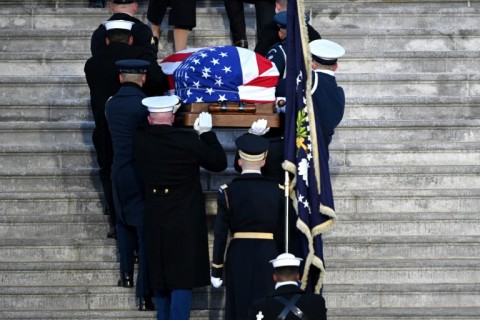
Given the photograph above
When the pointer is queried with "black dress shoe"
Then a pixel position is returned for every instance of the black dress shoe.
(241, 43)
(145, 304)
(126, 280)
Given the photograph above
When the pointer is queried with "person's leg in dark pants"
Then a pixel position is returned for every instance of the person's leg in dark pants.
(264, 12)
(236, 16)
(126, 240)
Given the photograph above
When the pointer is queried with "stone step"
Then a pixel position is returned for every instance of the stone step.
(380, 247)
(19, 160)
(334, 314)
(345, 178)
(94, 226)
(19, 109)
(451, 62)
(107, 298)
(337, 297)
(425, 246)
(351, 204)
(384, 40)
(344, 271)
(402, 271)
(348, 132)
(374, 16)
(355, 85)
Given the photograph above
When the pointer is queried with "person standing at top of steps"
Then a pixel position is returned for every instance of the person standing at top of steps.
(175, 225)
(270, 35)
(288, 301)
(264, 12)
(125, 113)
(125, 10)
(102, 78)
(182, 16)
(328, 98)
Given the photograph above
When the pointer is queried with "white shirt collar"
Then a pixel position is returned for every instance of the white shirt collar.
(251, 171)
(330, 72)
(284, 283)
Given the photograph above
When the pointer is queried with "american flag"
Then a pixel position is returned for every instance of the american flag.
(226, 73)
(306, 154)
(171, 63)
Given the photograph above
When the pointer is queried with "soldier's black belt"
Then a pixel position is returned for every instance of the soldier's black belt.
(290, 307)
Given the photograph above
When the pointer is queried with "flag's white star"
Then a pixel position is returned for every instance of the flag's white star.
(186, 76)
(223, 54)
(215, 62)
(203, 55)
(299, 78)
(300, 198)
(209, 91)
(227, 69)
(199, 99)
(196, 84)
(196, 61)
(205, 75)
(189, 92)
(212, 49)
(193, 68)
(309, 156)
(221, 97)
(205, 69)
(219, 82)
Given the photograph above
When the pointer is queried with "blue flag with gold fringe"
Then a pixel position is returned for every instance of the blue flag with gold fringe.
(306, 155)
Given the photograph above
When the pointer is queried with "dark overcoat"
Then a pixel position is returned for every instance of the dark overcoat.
(312, 305)
(328, 102)
(250, 203)
(141, 33)
(176, 235)
(125, 113)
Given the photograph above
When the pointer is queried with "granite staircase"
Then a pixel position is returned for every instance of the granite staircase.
(405, 163)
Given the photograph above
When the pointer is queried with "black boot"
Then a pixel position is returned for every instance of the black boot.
(112, 221)
(145, 304)
(126, 280)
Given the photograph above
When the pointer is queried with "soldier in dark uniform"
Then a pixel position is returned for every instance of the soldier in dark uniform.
(141, 32)
(175, 225)
(251, 207)
(103, 81)
(288, 301)
(270, 36)
(278, 53)
(328, 98)
(125, 113)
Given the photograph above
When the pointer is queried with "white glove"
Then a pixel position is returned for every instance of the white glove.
(203, 123)
(177, 106)
(216, 282)
(259, 127)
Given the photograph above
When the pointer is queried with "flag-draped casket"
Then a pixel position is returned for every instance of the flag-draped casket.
(235, 84)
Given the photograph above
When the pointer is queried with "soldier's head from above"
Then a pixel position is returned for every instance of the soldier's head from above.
(252, 150)
(119, 31)
(125, 6)
(286, 267)
(132, 70)
(162, 109)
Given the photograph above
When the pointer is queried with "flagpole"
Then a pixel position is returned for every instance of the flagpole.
(287, 202)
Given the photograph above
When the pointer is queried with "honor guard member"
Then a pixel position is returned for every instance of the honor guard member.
(270, 36)
(288, 301)
(176, 235)
(328, 98)
(278, 53)
(125, 113)
(102, 78)
(251, 207)
(141, 32)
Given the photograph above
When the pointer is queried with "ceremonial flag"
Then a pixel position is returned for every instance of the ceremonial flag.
(226, 73)
(171, 63)
(306, 154)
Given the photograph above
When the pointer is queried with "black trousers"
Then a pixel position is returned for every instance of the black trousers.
(102, 143)
(264, 12)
